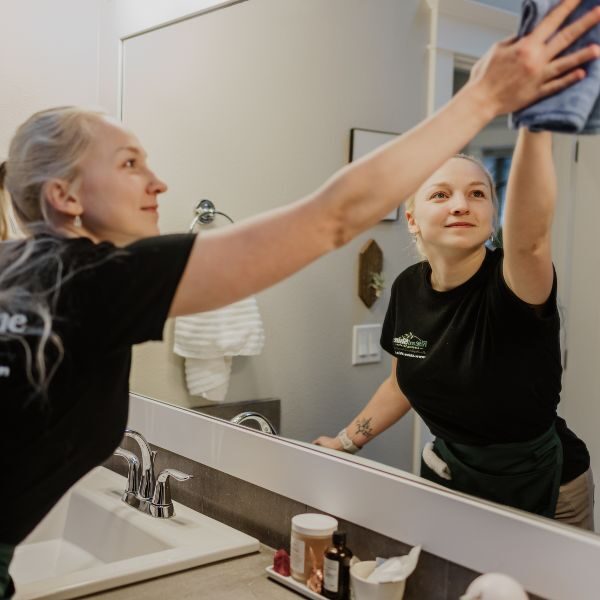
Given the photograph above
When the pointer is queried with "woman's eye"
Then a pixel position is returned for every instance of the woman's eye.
(479, 193)
(130, 162)
(439, 195)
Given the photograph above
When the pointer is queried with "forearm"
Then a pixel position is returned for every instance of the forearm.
(385, 408)
(530, 195)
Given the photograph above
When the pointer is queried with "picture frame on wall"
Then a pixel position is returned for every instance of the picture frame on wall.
(363, 141)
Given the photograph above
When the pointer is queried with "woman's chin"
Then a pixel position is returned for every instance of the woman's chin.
(461, 246)
(150, 231)
(465, 242)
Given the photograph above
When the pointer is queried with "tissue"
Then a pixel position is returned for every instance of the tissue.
(395, 569)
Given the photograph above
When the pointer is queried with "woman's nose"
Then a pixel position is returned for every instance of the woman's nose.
(460, 206)
(157, 186)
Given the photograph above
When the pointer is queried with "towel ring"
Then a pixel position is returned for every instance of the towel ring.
(205, 213)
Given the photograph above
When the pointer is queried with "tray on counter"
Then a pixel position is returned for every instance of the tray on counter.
(293, 584)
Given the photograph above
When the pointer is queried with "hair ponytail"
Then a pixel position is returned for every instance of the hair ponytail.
(50, 144)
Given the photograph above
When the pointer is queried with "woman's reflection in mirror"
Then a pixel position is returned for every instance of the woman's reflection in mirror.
(474, 336)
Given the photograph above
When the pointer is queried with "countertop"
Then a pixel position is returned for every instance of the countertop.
(241, 578)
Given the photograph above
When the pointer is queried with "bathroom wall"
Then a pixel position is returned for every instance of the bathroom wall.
(581, 385)
(252, 107)
(49, 57)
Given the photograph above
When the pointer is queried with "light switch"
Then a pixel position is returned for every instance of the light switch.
(374, 347)
(365, 344)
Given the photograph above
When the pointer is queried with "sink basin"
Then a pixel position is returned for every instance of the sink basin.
(91, 541)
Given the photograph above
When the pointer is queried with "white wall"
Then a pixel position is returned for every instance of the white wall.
(252, 106)
(49, 56)
(581, 386)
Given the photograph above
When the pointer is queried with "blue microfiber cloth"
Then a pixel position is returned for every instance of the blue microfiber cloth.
(577, 108)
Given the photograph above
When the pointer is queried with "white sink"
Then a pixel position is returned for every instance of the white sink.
(91, 541)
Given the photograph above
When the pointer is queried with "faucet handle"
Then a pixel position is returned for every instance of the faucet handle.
(147, 478)
(175, 474)
(162, 491)
(133, 476)
(162, 505)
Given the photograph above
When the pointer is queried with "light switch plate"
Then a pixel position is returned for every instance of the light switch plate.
(365, 344)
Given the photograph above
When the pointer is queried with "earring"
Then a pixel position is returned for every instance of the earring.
(77, 221)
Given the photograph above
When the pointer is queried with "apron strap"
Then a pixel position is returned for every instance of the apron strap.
(523, 475)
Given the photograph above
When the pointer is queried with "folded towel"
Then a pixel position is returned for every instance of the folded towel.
(208, 377)
(208, 340)
(577, 108)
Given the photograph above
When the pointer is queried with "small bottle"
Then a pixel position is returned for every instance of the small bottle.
(336, 569)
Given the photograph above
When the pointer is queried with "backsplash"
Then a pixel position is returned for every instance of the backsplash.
(267, 516)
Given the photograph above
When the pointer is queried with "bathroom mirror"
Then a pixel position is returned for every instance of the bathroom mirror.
(251, 106)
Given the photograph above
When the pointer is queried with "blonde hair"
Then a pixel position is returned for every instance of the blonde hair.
(49, 145)
(409, 204)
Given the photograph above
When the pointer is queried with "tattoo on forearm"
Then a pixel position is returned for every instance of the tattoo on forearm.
(364, 426)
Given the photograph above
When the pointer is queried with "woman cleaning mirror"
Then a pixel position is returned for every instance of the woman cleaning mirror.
(474, 336)
(91, 278)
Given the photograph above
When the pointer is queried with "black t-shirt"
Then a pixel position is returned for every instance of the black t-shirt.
(108, 300)
(479, 365)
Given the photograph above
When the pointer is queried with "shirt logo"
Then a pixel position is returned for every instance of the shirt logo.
(4, 371)
(411, 345)
(16, 323)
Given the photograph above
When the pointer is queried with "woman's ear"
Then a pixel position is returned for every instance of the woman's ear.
(58, 193)
(412, 224)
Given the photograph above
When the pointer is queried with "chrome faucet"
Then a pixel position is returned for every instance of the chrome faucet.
(146, 492)
(265, 425)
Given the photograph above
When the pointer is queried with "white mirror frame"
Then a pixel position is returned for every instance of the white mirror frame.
(549, 559)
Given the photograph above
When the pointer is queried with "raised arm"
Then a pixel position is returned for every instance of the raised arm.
(387, 405)
(240, 260)
(528, 214)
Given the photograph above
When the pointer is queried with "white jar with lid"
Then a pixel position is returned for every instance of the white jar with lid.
(310, 531)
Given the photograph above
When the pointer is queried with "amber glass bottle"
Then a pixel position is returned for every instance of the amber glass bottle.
(336, 569)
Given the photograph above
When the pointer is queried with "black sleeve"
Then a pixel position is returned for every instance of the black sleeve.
(539, 316)
(123, 298)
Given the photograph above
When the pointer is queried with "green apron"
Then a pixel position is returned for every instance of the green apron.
(523, 475)
(6, 586)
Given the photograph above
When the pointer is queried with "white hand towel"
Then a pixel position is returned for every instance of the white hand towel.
(208, 377)
(208, 340)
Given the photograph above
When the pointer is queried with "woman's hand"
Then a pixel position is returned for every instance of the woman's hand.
(516, 72)
(329, 442)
